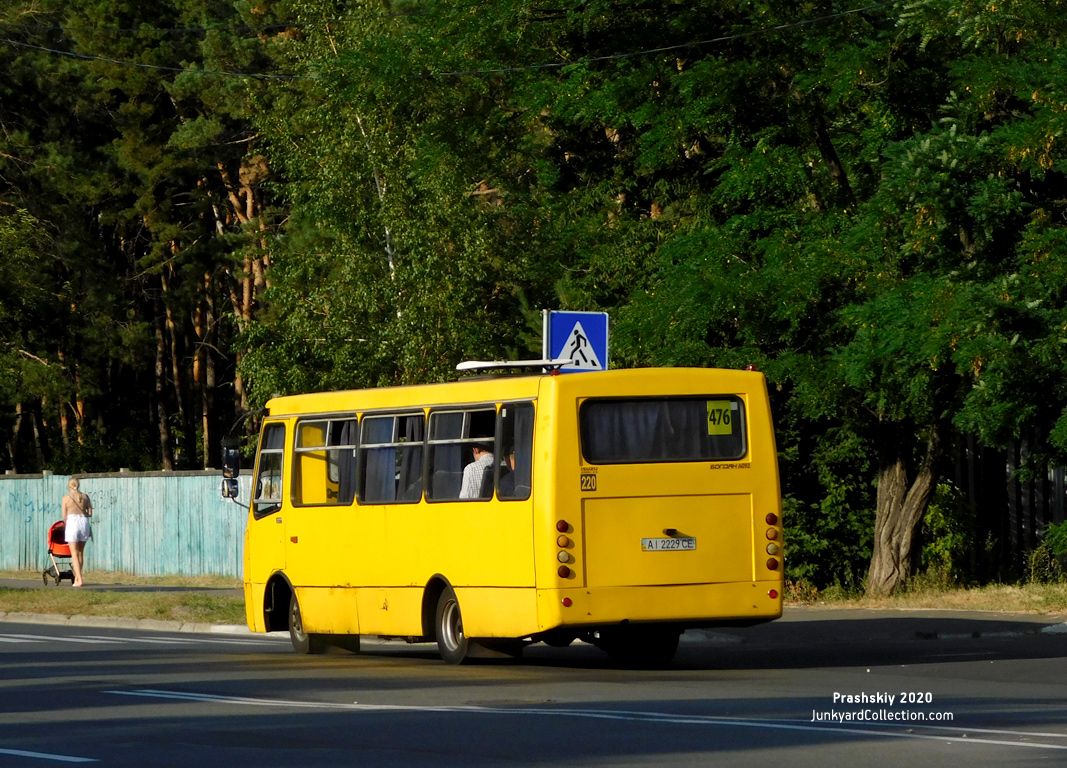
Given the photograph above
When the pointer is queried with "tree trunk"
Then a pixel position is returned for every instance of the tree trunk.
(165, 448)
(246, 208)
(13, 444)
(37, 420)
(204, 369)
(188, 446)
(824, 143)
(900, 510)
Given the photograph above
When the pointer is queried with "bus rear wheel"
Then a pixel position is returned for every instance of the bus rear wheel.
(640, 647)
(453, 645)
(302, 641)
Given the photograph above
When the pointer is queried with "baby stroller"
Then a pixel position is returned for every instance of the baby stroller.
(58, 547)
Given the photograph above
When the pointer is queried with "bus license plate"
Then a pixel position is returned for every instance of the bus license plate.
(668, 544)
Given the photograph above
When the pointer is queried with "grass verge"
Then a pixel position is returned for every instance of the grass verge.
(182, 606)
(1004, 598)
(96, 578)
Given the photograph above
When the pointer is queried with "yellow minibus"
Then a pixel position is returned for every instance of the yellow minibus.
(616, 507)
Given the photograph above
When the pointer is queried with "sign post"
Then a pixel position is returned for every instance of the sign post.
(581, 337)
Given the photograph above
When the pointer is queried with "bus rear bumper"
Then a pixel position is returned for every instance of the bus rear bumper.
(684, 605)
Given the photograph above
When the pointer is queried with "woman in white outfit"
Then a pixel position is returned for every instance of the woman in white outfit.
(77, 509)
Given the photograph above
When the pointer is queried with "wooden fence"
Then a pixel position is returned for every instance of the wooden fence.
(1011, 509)
(144, 523)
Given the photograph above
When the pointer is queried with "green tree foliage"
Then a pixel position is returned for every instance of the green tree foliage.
(866, 203)
(139, 167)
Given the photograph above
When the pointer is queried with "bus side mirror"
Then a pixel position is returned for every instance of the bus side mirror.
(230, 489)
(231, 458)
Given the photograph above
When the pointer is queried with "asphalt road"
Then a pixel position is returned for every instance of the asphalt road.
(992, 690)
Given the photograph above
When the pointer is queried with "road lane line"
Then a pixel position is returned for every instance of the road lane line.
(619, 715)
(61, 639)
(47, 756)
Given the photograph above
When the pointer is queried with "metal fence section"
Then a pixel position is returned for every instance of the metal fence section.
(144, 523)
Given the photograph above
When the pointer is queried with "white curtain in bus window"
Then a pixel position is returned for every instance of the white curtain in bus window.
(453, 437)
(516, 451)
(267, 494)
(643, 430)
(391, 447)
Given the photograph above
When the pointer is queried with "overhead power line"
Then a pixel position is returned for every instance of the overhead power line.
(459, 73)
(197, 30)
(668, 48)
(155, 67)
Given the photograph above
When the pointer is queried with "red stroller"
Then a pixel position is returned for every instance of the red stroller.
(58, 547)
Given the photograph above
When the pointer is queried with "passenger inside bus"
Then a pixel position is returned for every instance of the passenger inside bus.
(506, 488)
(478, 475)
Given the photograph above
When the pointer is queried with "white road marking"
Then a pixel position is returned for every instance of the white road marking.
(623, 715)
(47, 756)
(62, 639)
(105, 640)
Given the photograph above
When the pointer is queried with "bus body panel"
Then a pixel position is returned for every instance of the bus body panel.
(683, 605)
(609, 508)
(491, 612)
(364, 568)
(329, 610)
(720, 524)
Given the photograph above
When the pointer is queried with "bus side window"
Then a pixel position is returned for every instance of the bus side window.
(516, 451)
(391, 449)
(324, 461)
(455, 438)
(267, 493)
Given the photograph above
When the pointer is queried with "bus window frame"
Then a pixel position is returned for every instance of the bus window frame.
(262, 509)
(499, 445)
(395, 443)
(325, 448)
(466, 409)
(745, 447)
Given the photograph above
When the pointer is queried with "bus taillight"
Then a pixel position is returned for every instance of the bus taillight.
(772, 594)
(563, 526)
(772, 564)
(772, 519)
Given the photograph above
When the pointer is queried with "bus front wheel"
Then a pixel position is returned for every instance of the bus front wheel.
(302, 641)
(452, 644)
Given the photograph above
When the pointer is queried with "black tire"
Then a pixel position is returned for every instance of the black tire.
(302, 641)
(452, 644)
(502, 645)
(559, 637)
(348, 643)
(640, 647)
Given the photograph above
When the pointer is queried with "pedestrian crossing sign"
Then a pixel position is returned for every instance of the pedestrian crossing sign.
(581, 337)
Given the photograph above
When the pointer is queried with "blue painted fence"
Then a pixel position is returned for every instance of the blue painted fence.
(144, 523)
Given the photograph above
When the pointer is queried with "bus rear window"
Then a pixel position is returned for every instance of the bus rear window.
(665, 429)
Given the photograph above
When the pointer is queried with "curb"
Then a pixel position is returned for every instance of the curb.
(149, 625)
(1053, 629)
